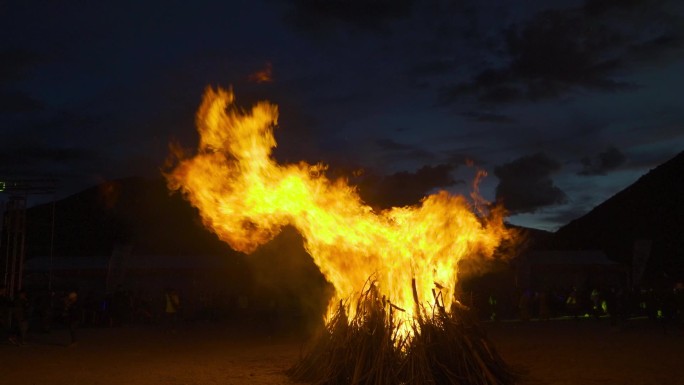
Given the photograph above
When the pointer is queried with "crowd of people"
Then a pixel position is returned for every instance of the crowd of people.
(69, 310)
(42, 311)
(21, 314)
(614, 303)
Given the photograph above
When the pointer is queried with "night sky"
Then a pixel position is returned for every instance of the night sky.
(563, 103)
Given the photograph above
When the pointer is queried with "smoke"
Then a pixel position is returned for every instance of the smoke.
(285, 276)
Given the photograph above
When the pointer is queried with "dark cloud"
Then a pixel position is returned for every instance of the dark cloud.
(561, 51)
(599, 7)
(525, 184)
(655, 48)
(404, 188)
(601, 164)
(58, 127)
(28, 155)
(392, 145)
(15, 63)
(488, 117)
(392, 149)
(13, 101)
(647, 160)
(14, 66)
(486, 93)
(465, 157)
(366, 14)
(430, 68)
(62, 145)
(35, 160)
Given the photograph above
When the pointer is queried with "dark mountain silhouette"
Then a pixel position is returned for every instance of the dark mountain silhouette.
(531, 239)
(135, 212)
(650, 209)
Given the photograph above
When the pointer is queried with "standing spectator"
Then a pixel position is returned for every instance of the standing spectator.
(612, 307)
(5, 306)
(120, 305)
(172, 308)
(679, 304)
(544, 305)
(43, 305)
(90, 310)
(143, 308)
(493, 307)
(572, 303)
(20, 312)
(596, 308)
(72, 315)
(524, 305)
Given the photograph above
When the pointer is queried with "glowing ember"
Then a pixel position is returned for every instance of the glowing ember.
(263, 76)
(246, 198)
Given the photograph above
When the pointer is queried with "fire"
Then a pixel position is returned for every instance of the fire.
(263, 76)
(246, 198)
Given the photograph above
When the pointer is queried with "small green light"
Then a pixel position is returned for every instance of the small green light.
(2, 186)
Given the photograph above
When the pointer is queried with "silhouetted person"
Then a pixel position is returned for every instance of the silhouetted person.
(572, 303)
(20, 311)
(171, 309)
(611, 298)
(120, 305)
(544, 305)
(72, 314)
(90, 310)
(524, 305)
(650, 304)
(5, 306)
(143, 308)
(493, 307)
(668, 306)
(43, 307)
(595, 298)
(679, 304)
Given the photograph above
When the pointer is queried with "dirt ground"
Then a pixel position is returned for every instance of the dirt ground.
(559, 352)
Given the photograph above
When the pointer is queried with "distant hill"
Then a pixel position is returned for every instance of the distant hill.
(532, 239)
(652, 209)
(136, 212)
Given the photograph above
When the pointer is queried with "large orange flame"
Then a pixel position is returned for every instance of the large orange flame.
(246, 198)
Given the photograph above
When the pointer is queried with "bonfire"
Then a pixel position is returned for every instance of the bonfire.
(406, 325)
(444, 347)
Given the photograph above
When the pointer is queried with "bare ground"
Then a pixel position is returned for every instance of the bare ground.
(551, 352)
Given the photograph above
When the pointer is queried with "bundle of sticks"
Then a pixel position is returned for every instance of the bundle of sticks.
(445, 346)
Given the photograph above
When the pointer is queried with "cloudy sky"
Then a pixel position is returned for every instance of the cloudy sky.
(563, 103)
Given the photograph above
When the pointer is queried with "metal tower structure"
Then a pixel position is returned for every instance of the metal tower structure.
(13, 226)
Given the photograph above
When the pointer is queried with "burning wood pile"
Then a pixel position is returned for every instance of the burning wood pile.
(443, 346)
